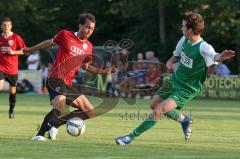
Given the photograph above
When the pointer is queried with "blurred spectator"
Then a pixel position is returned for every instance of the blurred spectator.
(150, 57)
(44, 71)
(153, 76)
(33, 61)
(120, 80)
(222, 69)
(140, 57)
(139, 64)
(211, 69)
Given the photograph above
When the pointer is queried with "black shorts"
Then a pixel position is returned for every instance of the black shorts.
(58, 87)
(11, 79)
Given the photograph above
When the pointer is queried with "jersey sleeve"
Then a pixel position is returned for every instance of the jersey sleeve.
(178, 49)
(20, 43)
(88, 59)
(208, 53)
(58, 38)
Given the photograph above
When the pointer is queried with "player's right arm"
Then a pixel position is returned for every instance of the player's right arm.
(176, 55)
(43, 45)
(56, 40)
(171, 62)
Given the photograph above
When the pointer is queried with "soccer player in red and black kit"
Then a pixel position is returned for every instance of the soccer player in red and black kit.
(74, 52)
(11, 45)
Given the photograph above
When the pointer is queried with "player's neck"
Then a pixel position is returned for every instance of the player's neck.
(80, 38)
(7, 34)
(194, 38)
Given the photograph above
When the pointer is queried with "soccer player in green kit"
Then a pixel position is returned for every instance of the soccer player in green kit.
(194, 56)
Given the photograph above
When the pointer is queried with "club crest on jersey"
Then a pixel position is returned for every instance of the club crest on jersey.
(186, 61)
(10, 42)
(85, 46)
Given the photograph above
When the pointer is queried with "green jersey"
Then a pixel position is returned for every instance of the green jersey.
(192, 70)
(188, 78)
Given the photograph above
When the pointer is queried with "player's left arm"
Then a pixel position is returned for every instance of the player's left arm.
(225, 55)
(95, 70)
(211, 56)
(15, 52)
(20, 45)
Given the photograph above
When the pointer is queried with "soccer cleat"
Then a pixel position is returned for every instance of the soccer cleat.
(53, 133)
(11, 115)
(39, 138)
(187, 128)
(123, 140)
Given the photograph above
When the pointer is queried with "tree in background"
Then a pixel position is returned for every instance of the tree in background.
(152, 25)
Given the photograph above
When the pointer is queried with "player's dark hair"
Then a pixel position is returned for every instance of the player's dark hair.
(86, 16)
(6, 19)
(194, 21)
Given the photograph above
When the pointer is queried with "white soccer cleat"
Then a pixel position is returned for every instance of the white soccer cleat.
(39, 138)
(53, 133)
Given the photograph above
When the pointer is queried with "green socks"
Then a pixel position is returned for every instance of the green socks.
(150, 122)
(175, 115)
(144, 126)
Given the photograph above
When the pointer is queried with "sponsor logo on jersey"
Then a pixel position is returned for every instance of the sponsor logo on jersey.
(77, 51)
(10, 42)
(4, 49)
(186, 61)
(85, 46)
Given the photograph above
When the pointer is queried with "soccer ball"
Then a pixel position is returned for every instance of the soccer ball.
(75, 126)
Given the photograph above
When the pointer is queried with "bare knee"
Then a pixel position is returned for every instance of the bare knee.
(155, 101)
(83, 104)
(12, 90)
(1, 84)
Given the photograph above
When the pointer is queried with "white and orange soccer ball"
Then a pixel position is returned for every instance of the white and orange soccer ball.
(75, 126)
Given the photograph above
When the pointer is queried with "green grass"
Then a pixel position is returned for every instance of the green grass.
(216, 133)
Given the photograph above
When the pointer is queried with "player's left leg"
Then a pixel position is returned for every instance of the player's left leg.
(184, 120)
(159, 110)
(84, 111)
(12, 101)
(176, 115)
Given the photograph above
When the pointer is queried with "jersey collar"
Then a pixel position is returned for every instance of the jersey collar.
(8, 35)
(195, 42)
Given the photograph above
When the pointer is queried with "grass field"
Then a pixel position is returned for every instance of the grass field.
(216, 133)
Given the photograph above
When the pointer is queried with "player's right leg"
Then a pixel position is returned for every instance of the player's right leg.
(53, 117)
(1, 84)
(1, 80)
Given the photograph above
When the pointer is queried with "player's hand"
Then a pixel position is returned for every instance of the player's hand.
(26, 50)
(109, 70)
(227, 54)
(11, 52)
(169, 66)
(157, 113)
